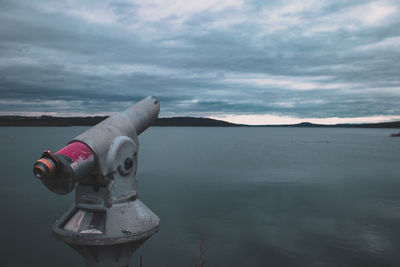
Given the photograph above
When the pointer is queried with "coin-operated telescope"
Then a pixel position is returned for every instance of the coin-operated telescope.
(107, 222)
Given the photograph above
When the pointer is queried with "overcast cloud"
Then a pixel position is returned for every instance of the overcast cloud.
(291, 59)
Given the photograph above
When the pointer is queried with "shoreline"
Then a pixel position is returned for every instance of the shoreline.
(49, 121)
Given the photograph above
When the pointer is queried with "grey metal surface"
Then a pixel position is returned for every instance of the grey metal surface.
(108, 256)
(143, 113)
(130, 123)
(122, 161)
(123, 223)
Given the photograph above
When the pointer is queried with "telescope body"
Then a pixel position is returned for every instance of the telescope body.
(86, 155)
(107, 222)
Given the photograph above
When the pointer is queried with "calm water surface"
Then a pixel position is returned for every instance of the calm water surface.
(260, 196)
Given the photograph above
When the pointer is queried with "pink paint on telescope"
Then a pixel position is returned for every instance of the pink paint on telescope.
(76, 151)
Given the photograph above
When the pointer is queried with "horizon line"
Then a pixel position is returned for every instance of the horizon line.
(253, 119)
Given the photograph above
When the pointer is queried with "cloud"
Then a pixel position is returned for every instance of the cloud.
(308, 59)
(391, 43)
(288, 82)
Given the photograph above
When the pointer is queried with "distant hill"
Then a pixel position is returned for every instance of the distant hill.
(90, 121)
(191, 121)
(49, 121)
(394, 124)
(174, 121)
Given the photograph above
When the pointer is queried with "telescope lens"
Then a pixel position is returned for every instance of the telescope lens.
(44, 168)
(38, 172)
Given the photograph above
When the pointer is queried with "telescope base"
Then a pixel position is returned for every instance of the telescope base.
(108, 256)
(109, 236)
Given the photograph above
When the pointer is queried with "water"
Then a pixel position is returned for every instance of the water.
(260, 197)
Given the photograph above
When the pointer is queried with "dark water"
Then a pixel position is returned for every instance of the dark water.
(260, 196)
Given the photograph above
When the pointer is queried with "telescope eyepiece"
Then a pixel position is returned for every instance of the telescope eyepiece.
(45, 168)
(39, 171)
(60, 171)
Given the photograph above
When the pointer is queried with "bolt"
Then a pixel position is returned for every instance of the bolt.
(128, 163)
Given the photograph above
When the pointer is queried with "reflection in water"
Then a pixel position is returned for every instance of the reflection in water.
(261, 197)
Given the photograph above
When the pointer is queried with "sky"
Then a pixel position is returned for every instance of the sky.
(254, 62)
